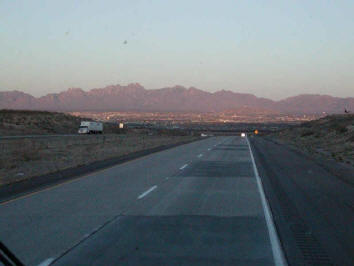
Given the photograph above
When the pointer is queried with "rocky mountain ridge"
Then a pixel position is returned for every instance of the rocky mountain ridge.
(134, 97)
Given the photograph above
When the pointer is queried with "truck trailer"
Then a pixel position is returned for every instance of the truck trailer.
(90, 127)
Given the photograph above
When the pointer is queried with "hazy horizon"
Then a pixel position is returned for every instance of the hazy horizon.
(271, 49)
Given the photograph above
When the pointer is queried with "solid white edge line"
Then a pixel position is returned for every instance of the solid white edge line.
(278, 254)
(184, 166)
(46, 262)
(147, 192)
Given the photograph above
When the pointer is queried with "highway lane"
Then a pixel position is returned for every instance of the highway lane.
(196, 203)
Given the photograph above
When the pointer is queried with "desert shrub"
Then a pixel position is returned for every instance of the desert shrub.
(307, 133)
(28, 155)
(340, 128)
(318, 135)
(27, 150)
(7, 164)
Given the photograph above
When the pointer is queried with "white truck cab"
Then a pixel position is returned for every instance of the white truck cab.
(90, 127)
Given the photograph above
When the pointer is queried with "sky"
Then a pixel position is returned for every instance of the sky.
(269, 48)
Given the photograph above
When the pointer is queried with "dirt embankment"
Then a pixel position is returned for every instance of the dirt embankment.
(26, 158)
(328, 137)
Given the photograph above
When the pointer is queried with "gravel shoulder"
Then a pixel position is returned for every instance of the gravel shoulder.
(341, 170)
(328, 141)
(312, 208)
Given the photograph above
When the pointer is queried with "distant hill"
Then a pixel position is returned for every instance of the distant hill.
(134, 97)
(313, 103)
(19, 122)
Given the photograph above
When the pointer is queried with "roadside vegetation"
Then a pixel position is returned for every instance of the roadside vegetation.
(331, 137)
(24, 158)
(30, 157)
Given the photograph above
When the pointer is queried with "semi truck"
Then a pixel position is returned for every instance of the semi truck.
(90, 127)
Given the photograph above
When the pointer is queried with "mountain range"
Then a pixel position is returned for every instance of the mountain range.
(135, 97)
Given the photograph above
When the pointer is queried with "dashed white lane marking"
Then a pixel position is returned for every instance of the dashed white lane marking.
(46, 262)
(147, 192)
(200, 155)
(278, 255)
(184, 166)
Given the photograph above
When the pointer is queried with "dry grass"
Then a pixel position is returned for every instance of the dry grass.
(29, 157)
(331, 136)
(25, 158)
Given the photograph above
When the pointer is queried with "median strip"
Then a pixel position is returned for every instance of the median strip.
(26, 185)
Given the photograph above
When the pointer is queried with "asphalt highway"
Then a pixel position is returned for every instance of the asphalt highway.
(200, 203)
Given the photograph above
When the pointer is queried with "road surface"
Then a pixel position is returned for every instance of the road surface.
(198, 203)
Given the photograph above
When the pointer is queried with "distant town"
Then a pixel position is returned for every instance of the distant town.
(194, 117)
(198, 121)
